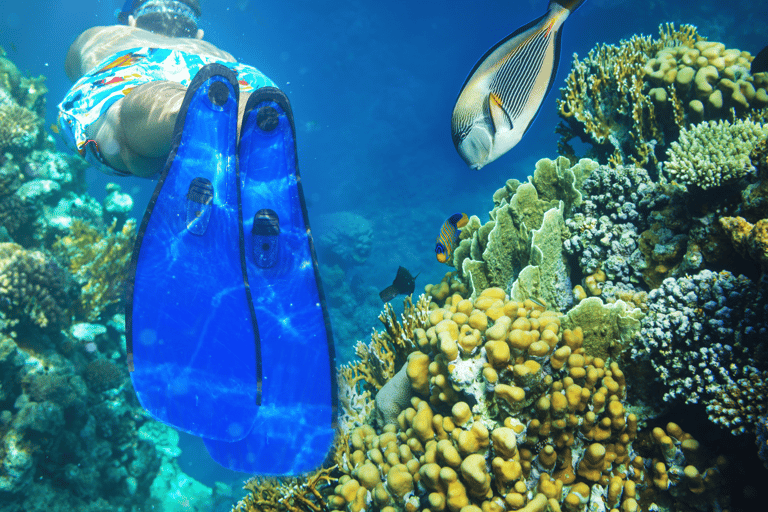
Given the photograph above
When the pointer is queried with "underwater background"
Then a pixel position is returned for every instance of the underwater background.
(372, 86)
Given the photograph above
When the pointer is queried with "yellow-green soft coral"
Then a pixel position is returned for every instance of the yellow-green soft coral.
(711, 153)
(99, 263)
(526, 218)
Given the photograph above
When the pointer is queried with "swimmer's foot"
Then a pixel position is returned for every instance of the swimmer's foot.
(191, 333)
(295, 424)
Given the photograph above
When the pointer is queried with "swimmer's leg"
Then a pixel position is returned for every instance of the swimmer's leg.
(191, 333)
(135, 133)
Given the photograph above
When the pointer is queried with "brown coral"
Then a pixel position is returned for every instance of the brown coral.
(33, 287)
(19, 126)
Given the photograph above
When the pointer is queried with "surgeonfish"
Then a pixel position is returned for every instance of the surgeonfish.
(404, 284)
(506, 88)
(449, 236)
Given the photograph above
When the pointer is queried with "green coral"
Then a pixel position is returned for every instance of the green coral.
(98, 263)
(525, 228)
(712, 153)
(546, 278)
(608, 328)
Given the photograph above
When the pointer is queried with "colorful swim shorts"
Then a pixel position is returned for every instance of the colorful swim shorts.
(116, 76)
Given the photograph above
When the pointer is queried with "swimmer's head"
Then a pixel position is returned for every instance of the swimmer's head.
(172, 18)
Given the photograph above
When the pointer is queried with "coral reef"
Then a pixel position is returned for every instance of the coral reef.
(630, 101)
(19, 126)
(346, 237)
(72, 434)
(502, 409)
(33, 288)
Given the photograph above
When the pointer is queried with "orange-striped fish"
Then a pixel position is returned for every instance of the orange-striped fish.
(507, 86)
(449, 236)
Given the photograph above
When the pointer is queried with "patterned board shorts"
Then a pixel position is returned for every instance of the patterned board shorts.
(115, 77)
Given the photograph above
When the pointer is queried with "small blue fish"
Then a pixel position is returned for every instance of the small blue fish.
(506, 88)
(449, 236)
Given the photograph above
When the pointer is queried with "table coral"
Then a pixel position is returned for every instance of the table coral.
(705, 337)
(629, 101)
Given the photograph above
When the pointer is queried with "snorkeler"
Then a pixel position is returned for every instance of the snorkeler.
(227, 332)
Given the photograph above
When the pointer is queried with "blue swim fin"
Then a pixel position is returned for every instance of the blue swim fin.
(193, 342)
(294, 426)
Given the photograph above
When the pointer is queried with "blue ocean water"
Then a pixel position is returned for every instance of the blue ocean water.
(372, 86)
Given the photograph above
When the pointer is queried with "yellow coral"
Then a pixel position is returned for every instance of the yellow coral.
(98, 262)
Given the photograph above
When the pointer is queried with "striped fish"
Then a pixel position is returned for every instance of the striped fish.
(507, 86)
(449, 236)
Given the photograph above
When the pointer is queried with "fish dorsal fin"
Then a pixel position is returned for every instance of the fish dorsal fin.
(402, 276)
(500, 118)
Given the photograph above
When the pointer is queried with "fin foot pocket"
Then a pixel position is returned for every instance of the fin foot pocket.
(266, 238)
(199, 199)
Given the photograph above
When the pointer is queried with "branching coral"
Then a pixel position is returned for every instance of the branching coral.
(98, 263)
(711, 153)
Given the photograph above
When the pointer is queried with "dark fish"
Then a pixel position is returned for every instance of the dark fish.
(449, 236)
(505, 90)
(760, 62)
(404, 284)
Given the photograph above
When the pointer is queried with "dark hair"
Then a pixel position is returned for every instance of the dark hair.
(172, 18)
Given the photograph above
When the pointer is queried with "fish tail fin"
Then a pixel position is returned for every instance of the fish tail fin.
(571, 5)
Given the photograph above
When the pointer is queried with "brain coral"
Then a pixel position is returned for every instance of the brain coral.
(714, 153)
